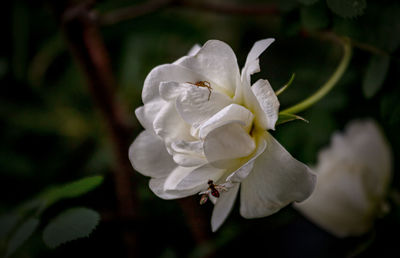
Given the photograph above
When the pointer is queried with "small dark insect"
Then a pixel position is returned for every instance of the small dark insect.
(213, 190)
(205, 84)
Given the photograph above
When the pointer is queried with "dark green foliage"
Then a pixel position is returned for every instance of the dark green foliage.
(51, 130)
(70, 225)
(347, 8)
(375, 75)
(21, 234)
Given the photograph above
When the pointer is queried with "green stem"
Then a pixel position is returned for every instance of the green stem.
(328, 85)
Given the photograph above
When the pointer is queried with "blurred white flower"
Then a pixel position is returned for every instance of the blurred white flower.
(206, 131)
(352, 178)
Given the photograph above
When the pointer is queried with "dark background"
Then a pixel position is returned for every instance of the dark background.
(53, 128)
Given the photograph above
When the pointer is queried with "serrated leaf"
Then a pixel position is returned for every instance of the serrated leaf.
(22, 233)
(71, 190)
(307, 2)
(285, 117)
(375, 75)
(347, 8)
(71, 224)
(284, 87)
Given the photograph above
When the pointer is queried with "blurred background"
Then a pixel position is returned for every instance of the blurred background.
(71, 75)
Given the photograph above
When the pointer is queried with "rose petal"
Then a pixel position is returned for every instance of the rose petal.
(227, 142)
(223, 207)
(191, 52)
(169, 91)
(232, 112)
(199, 177)
(157, 186)
(340, 203)
(147, 123)
(194, 106)
(163, 73)
(146, 114)
(176, 176)
(252, 62)
(188, 160)
(276, 180)
(361, 143)
(149, 156)
(194, 147)
(240, 174)
(216, 61)
(194, 50)
(268, 101)
(170, 126)
(353, 176)
(188, 154)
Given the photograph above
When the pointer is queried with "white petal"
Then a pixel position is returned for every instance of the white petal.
(232, 112)
(212, 199)
(194, 147)
(149, 156)
(252, 63)
(223, 207)
(199, 177)
(362, 143)
(170, 126)
(240, 174)
(147, 113)
(268, 101)
(169, 91)
(251, 103)
(194, 106)
(188, 154)
(194, 50)
(176, 176)
(187, 160)
(164, 73)
(143, 120)
(216, 61)
(340, 203)
(228, 142)
(353, 176)
(277, 179)
(157, 186)
(191, 52)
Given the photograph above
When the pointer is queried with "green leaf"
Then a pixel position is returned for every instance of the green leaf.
(71, 190)
(72, 224)
(21, 235)
(286, 117)
(375, 75)
(278, 92)
(307, 2)
(347, 8)
(7, 223)
(314, 17)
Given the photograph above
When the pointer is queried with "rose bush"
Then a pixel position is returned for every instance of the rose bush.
(353, 176)
(204, 121)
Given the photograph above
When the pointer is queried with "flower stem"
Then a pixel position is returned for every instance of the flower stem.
(303, 105)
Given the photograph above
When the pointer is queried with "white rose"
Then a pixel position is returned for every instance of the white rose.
(353, 176)
(204, 121)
